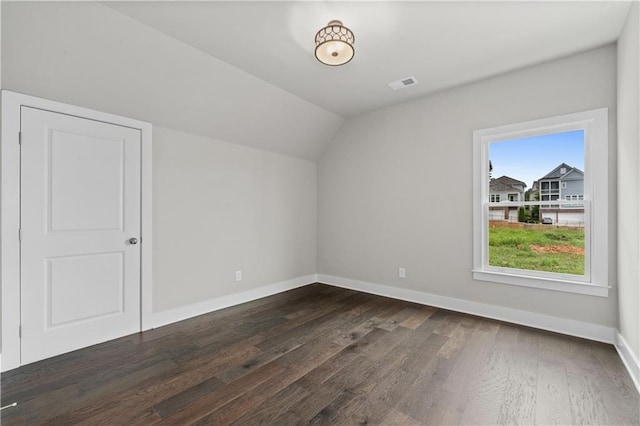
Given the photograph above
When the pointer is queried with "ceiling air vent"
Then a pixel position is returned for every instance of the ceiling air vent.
(403, 82)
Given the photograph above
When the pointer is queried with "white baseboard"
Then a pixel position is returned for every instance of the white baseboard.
(161, 318)
(571, 327)
(628, 359)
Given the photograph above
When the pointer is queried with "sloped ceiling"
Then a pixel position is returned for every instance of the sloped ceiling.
(441, 43)
(86, 54)
(244, 72)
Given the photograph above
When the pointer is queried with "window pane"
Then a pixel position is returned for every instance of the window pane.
(553, 244)
(544, 237)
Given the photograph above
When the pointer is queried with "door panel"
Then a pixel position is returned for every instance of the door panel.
(80, 205)
(95, 279)
(95, 202)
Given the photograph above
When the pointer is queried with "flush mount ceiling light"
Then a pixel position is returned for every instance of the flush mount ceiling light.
(334, 44)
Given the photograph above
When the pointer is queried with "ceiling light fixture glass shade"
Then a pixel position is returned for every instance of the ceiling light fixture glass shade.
(334, 44)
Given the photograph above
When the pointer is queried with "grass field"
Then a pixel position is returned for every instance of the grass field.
(551, 250)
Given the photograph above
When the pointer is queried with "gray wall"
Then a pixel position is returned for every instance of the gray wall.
(220, 207)
(395, 186)
(629, 180)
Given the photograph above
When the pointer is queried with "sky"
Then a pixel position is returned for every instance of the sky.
(529, 159)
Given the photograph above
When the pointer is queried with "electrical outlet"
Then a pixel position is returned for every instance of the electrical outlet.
(238, 275)
(402, 273)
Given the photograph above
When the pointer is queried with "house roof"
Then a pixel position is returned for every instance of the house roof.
(555, 173)
(574, 174)
(509, 181)
(500, 187)
(505, 183)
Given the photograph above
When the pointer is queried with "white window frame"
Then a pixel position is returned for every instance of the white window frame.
(594, 123)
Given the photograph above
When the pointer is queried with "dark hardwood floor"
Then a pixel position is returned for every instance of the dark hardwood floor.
(321, 354)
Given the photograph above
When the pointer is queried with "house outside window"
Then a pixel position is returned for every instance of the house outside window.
(571, 181)
(567, 202)
(507, 189)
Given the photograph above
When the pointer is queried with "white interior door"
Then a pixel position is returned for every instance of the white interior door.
(80, 213)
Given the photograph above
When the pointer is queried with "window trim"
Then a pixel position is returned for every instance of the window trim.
(595, 125)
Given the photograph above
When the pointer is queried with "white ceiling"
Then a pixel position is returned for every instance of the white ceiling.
(442, 44)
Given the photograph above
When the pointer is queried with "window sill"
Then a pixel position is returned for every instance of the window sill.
(566, 286)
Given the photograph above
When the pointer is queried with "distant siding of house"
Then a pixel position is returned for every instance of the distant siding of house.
(504, 195)
(574, 188)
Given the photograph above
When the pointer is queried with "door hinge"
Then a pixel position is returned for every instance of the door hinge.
(20, 138)
(20, 331)
(20, 234)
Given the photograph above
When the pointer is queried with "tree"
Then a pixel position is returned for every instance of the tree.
(535, 210)
(535, 213)
(521, 215)
(490, 169)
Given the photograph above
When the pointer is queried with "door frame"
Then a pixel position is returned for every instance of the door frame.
(10, 213)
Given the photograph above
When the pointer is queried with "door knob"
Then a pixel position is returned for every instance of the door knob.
(133, 241)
